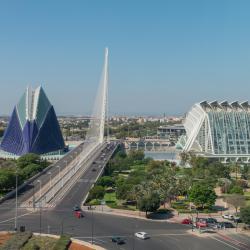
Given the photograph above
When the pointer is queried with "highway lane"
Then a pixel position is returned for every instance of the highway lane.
(34, 187)
(80, 190)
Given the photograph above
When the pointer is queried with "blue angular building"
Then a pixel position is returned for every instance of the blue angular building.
(33, 126)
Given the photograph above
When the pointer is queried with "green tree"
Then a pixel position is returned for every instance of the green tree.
(30, 170)
(245, 172)
(7, 179)
(245, 214)
(106, 181)
(184, 183)
(136, 155)
(236, 190)
(123, 189)
(97, 192)
(28, 159)
(219, 170)
(185, 157)
(149, 202)
(202, 195)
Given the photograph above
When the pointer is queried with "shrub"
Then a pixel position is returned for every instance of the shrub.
(97, 192)
(106, 181)
(236, 190)
(179, 205)
(245, 214)
(63, 243)
(17, 241)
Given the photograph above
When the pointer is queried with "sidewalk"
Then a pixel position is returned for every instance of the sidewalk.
(173, 217)
(119, 212)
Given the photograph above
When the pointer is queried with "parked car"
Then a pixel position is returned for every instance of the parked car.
(201, 222)
(186, 221)
(228, 216)
(237, 219)
(142, 235)
(118, 240)
(211, 221)
(225, 224)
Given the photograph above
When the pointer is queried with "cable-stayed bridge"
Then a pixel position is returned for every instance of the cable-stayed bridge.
(50, 186)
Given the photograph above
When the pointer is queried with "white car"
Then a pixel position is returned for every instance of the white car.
(142, 235)
(228, 216)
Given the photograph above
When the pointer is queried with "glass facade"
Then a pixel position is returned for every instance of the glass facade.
(230, 132)
(218, 129)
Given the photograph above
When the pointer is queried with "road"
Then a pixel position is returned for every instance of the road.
(34, 187)
(101, 227)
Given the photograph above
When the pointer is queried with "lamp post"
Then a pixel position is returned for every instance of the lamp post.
(92, 227)
(50, 184)
(59, 167)
(40, 192)
(65, 163)
(33, 194)
(16, 199)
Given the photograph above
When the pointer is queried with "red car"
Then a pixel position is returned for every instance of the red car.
(78, 214)
(186, 221)
(201, 223)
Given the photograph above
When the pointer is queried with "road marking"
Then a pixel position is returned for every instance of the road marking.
(223, 242)
(234, 241)
(14, 217)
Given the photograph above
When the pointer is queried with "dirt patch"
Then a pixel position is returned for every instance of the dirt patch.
(4, 237)
(75, 246)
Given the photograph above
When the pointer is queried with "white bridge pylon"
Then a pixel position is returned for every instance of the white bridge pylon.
(93, 143)
(95, 134)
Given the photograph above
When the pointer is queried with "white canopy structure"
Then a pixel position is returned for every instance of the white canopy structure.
(218, 129)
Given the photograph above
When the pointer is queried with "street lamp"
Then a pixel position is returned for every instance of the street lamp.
(39, 181)
(50, 184)
(59, 167)
(92, 227)
(16, 199)
(65, 163)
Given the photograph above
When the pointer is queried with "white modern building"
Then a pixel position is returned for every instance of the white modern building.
(218, 130)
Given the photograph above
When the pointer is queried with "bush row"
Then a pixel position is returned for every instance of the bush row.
(17, 241)
(63, 243)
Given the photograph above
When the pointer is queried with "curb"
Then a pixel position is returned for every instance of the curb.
(129, 216)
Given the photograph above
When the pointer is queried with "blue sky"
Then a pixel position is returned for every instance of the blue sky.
(164, 55)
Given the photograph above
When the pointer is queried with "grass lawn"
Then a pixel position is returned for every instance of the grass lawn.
(110, 197)
(138, 167)
(94, 202)
(113, 202)
(44, 243)
(247, 195)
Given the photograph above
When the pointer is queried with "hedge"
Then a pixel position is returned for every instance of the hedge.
(17, 241)
(63, 243)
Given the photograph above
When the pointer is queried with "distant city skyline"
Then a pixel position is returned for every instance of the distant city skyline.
(164, 55)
